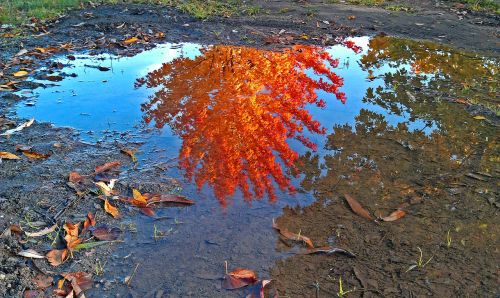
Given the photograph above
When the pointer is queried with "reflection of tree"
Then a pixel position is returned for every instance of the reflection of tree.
(452, 73)
(235, 108)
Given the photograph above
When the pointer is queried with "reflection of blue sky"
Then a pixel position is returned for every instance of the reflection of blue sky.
(97, 101)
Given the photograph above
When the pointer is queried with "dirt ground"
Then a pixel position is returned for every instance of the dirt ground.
(35, 191)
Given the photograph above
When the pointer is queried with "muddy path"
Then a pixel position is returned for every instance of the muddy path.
(424, 144)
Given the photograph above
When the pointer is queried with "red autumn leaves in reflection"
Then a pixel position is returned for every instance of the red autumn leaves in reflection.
(236, 107)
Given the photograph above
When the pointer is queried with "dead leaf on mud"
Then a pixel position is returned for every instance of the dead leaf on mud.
(21, 73)
(129, 152)
(130, 41)
(292, 236)
(43, 281)
(43, 232)
(80, 281)
(74, 177)
(329, 250)
(71, 237)
(19, 128)
(238, 278)
(107, 189)
(105, 233)
(30, 253)
(32, 294)
(89, 222)
(35, 155)
(107, 166)
(394, 215)
(357, 208)
(8, 155)
(57, 256)
(111, 209)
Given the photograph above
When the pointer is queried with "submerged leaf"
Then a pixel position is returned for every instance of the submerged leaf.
(111, 209)
(394, 215)
(292, 236)
(239, 278)
(166, 198)
(35, 155)
(21, 73)
(357, 208)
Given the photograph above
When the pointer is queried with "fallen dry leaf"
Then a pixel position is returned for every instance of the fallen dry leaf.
(106, 234)
(19, 128)
(43, 281)
(35, 155)
(479, 117)
(57, 256)
(394, 215)
(130, 40)
(111, 209)
(7, 155)
(80, 281)
(130, 153)
(89, 222)
(30, 253)
(71, 237)
(138, 199)
(292, 236)
(43, 232)
(106, 189)
(74, 177)
(107, 166)
(328, 250)
(20, 73)
(238, 278)
(357, 208)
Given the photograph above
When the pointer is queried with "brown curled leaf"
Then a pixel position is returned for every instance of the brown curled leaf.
(394, 215)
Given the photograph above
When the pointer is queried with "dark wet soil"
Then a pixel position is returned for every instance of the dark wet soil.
(382, 166)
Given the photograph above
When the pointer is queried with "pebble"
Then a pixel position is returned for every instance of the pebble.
(2, 276)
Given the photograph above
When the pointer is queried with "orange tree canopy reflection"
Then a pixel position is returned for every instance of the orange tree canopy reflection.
(235, 108)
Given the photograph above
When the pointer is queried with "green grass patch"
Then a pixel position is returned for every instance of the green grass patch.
(398, 7)
(19, 11)
(366, 2)
(483, 5)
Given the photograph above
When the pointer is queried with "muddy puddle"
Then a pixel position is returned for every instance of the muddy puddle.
(253, 135)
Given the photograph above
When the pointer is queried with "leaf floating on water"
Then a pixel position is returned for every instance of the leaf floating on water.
(292, 236)
(8, 155)
(30, 253)
(107, 166)
(19, 128)
(105, 233)
(166, 198)
(57, 256)
(35, 155)
(148, 211)
(111, 209)
(357, 208)
(238, 278)
(328, 250)
(394, 215)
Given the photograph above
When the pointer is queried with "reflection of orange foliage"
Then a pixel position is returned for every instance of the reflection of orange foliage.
(235, 108)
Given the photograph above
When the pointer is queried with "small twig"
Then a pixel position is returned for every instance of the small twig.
(133, 273)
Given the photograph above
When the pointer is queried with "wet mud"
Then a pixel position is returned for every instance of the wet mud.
(418, 133)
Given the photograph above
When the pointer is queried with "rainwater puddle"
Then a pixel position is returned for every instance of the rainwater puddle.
(265, 135)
